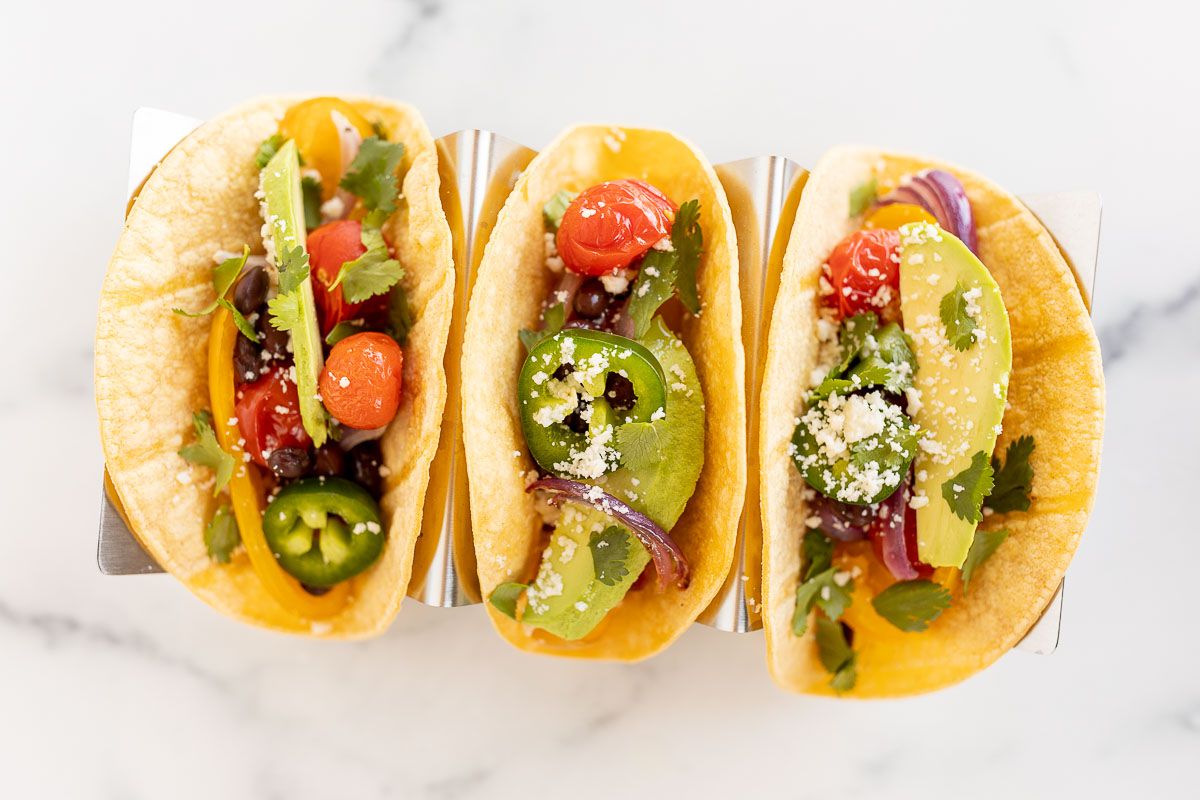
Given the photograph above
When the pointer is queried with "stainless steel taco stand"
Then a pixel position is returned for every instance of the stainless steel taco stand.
(478, 168)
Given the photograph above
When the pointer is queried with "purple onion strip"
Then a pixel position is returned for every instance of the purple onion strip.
(669, 562)
(841, 521)
(892, 513)
(943, 196)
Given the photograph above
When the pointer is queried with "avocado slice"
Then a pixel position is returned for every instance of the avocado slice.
(283, 213)
(571, 595)
(956, 318)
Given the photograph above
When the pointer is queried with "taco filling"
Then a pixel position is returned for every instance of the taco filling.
(610, 405)
(305, 361)
(896, 439)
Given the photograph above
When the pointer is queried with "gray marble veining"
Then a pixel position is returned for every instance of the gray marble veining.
(133, 689)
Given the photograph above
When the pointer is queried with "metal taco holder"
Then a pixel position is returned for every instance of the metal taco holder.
(478, 169)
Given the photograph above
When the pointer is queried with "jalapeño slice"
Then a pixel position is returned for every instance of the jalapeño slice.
(323, 530)
(576, 388)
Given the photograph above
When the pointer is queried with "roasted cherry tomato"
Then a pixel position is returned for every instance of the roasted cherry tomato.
(910, 542)
(609, 225)
(865, 273)
(312, 125)
(361, 382)
(268, 415)
(329, 247)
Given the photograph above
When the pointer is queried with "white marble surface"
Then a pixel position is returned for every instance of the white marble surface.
(130, 688)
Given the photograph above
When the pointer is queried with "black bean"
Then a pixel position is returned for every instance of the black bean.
(289, 462)
(563, 371)
(575, 420)
(328, 460)
(591, 299)
(273, 340)
(618, 390)
(246, 360)
(363, 466)
(251, 291)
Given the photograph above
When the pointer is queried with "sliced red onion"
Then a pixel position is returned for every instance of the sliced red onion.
(564, 292)
(668, 558)
(353, 437)
(350, 140)
(943, 196)
(889, 528)
(841, 521)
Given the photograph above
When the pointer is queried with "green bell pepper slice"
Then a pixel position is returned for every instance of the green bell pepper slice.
(576, 388)
(323, 530)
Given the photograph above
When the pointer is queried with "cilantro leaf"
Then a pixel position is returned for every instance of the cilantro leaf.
(836, 655)
(267, 150)
(555, 207)
(342, 330)
(285, 311)
(505, 596)
(1014, 479)
(224, 275)
(853, 339)
(552, 322)
(221, 535)
(400, 319)
(609, 549)
(243, 325)
(310, 188)
(960, 325)
(206, 452)
(688, 241)
(984, 544)
(654, 286)
(372, 178)
(912, 605)
(966, 490)
(861, 197)
(293, 269)
(664, 272)
(372, 273)
(818, 553)
(639, 445)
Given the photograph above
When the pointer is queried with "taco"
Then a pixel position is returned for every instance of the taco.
(269, 360)
(932, 413)
(603, 398)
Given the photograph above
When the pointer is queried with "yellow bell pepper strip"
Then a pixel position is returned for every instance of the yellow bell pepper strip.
(245, 488)
(312, 126)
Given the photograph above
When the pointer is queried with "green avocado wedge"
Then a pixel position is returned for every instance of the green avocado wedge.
(957, 321)
(295, 309)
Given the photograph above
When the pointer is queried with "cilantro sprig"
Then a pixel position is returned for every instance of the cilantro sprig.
(960, 325)
(836, 654)
(640, 444)
(224, 276)
(374, 272)
(965, 491)
(822, 587)
(285, 308)
(1013, 478)
(221, 535)
(267, 149)
(912, 605)
(505, 596)
(664, 272)
(982, 547)
(610, 548)
(372, 178)
(206, 452)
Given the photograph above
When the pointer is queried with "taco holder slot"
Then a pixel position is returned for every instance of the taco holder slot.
(478, 168)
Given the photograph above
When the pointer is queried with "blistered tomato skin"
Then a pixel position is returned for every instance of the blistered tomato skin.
(268, 415)
(611, 224)
(361, 382)
(864, 270)
(329, 247)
